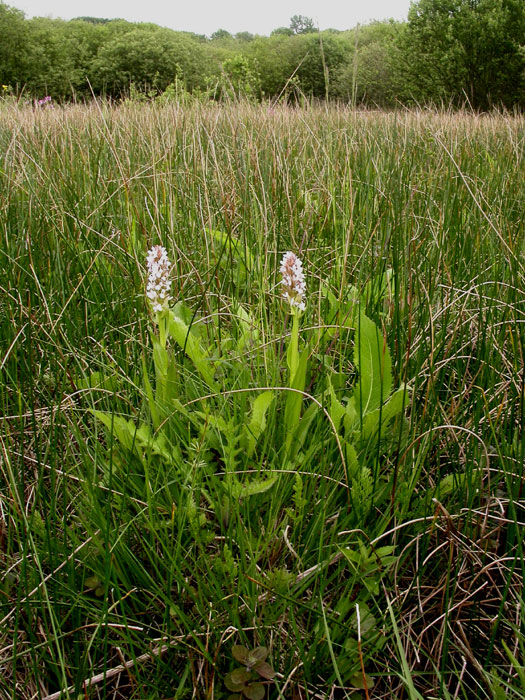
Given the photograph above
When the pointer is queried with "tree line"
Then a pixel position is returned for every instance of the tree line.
(448, 52)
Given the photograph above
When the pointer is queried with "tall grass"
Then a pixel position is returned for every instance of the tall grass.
(144, 591)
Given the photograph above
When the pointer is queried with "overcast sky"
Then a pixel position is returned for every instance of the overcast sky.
(206, 16)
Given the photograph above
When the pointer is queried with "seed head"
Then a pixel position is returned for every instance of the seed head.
(293, 284)
(159, 282)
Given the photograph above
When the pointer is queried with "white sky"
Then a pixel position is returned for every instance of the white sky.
(206, 16)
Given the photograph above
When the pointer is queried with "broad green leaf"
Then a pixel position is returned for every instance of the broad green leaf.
(265, 670)
(375, 290)
(160, 359)
(375, 422)
(372, 359)
(294, 400)
(337, 409)
(350, 418)
(237, 679)
(367, 621)
(258, 421)
(456, 482)
(248, 332)
(254, 691)
(352, 462)
(218, 422)
(240, 654)
(124, 430)
(257, 655)
(97, 380)
(139, 438)
(93, 582)
(182, 335)
(239, 490)
(304, 425)
(357, 680)
(237, 248)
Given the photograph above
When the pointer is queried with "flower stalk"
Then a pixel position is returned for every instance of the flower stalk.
(294, 292)
(293, 282)
(158, 287)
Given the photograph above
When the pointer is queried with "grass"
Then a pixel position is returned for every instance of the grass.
(142, 571)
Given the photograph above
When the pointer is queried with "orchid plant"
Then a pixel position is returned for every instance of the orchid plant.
(205, 411)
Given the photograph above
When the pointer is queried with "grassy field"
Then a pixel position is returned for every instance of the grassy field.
(343, 487)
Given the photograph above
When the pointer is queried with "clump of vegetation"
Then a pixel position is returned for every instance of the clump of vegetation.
(294, 426)
(246, 680)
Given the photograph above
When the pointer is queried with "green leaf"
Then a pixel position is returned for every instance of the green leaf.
(160, 359)
(294, 400)
(375, 290)
(124, 430)
(376, 421)
(240, 654)
(304, 426)
(352, 462)
(357, 680)
(258, 421)
(97, 380)
(138, 439)
(236, 248)
(93, 582)
(248, 332)
(518, 668)
(183, 336)
(372, 359)
(265, 670)
(237, 679)
(239, 490)
(456, 482)
(257, 655)
(367, 620)
(337, 409)
(255, 691)
(153, 408)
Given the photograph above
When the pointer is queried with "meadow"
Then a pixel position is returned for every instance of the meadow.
(231, 498)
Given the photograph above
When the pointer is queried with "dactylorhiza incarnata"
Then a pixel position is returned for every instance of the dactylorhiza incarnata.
(293, 284)
(159, 282)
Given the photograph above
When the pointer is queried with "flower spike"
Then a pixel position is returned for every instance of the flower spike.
(159, 282)
(293, 283)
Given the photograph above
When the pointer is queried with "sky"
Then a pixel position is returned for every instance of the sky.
(206, 16)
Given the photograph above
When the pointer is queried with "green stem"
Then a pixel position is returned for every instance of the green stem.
(293, 350)
(162, 324)
(293, 400)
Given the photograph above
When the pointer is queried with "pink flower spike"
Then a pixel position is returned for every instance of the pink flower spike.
(159, 282)
(293, 283)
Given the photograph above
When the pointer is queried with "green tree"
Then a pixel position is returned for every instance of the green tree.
(286, 31)
(221, 34)
(83, 40)
(13, 47)
(50, 64)
(299, 24)
(148, 56)
(467, 50)
(244, 36)
(93, 20)
(313, 60)
(374, 72)
(242, 76)
(319, 57)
